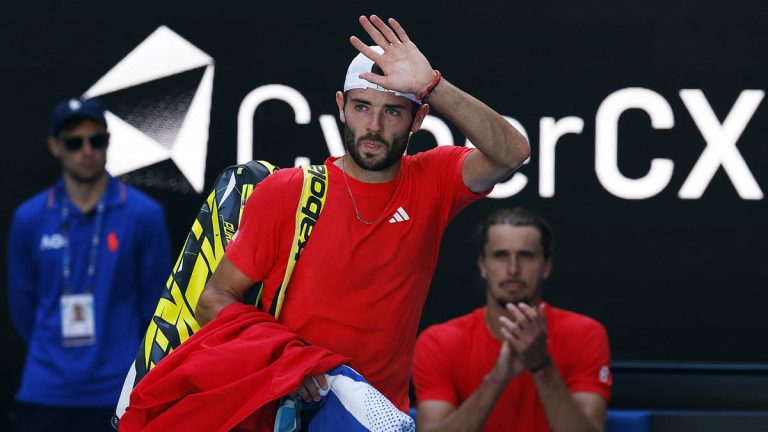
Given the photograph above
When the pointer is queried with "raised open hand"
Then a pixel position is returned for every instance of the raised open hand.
(405, 67)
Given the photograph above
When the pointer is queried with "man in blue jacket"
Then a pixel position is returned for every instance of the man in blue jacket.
(87, 260)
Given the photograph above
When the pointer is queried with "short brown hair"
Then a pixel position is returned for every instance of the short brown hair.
(517, 216)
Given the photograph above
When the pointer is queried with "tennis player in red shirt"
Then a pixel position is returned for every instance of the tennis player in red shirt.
(360, 285)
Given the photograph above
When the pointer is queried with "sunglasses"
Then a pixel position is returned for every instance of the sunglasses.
(98, 140)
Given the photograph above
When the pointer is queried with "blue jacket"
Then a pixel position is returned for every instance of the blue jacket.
(133, 264)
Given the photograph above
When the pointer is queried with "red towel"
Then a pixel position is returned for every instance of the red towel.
(227, 376)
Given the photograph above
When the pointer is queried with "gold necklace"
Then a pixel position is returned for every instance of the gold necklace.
(354, 204)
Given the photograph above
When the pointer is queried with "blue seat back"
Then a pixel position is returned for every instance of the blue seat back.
(628, 421)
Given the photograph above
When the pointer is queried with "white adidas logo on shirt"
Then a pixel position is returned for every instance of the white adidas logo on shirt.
(399, 216)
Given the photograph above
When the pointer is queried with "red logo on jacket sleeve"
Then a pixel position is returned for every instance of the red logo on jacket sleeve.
(112, 242)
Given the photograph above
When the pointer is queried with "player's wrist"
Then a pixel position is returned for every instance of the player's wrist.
(541, 366)
(430, 86)
(497, 378)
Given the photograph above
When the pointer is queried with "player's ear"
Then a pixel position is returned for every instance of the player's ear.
(340, 102)
(481, 266)
(548, 268)
(419, 117)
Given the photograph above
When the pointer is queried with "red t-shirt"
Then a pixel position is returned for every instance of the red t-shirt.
(358, 289)
(452, 358)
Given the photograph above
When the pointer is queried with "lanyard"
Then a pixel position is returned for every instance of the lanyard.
(66, 258)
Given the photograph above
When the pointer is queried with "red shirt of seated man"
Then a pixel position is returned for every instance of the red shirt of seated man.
(517, 363)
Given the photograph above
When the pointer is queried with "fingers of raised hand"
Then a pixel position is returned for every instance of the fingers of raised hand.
(374, 31)
(401, 34)
(385, 30)
(376, 79)
(385, 34)
(364, 49)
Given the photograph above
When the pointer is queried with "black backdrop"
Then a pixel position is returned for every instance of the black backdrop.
(672, 279)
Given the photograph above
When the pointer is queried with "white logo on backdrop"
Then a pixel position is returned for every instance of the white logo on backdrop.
(720, 139)
(165, 54)
(162, 54)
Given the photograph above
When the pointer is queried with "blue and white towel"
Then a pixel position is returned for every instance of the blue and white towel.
(351, 404)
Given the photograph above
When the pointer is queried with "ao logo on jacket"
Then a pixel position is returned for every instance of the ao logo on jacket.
(52, 241)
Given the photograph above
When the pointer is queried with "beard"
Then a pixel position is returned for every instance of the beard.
(504, 299)
(394, 150)
(503, 302)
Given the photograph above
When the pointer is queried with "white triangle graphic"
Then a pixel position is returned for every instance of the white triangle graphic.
(161, 54)
(129, 149)
(402, 213)
(191, 146)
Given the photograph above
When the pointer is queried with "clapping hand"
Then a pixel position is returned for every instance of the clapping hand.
(526, 333)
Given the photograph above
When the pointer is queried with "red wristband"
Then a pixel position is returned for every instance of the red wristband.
(425, 94)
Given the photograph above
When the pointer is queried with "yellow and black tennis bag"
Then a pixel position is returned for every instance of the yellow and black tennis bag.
(218, 220)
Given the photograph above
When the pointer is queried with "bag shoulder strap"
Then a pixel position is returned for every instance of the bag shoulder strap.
(311, 203)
